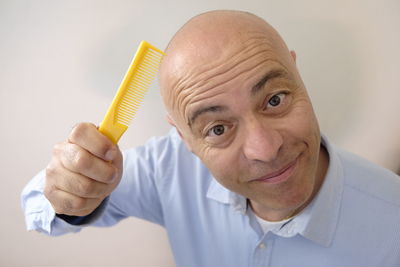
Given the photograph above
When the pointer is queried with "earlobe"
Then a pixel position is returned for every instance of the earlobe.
(173, 124)
(293, 53)
(170, 120)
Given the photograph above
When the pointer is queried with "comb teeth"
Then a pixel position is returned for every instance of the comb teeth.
(137, 87)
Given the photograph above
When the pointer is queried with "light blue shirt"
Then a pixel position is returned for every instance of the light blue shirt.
(353, 221)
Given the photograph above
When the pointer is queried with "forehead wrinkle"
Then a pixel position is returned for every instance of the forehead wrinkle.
(199, 97)
(210, 78)
(250, 44)
(205, 94)
(194, 79)
(201, 84)
(275, 72)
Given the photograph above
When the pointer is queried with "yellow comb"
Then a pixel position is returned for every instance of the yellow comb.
(130, 94)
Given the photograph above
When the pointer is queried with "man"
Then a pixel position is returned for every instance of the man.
(260, 188)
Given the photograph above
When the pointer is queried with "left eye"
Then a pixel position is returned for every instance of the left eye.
(217, 130)
(276, 100)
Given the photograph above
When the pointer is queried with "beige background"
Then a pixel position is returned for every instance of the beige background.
(61, 62)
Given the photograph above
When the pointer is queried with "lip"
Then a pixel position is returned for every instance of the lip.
(279, 176)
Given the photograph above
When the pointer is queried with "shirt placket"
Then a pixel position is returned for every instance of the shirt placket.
(262, 244)
(262, 252)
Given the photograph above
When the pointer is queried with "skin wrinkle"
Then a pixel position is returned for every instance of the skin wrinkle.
(200, 96)
(181, 97)
(205, 84)
(236, 54)
(273, 74)
(235, 65)
(215, 60)
(254, 90)
(178, 88)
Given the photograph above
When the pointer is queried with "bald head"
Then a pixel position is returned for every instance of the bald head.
(209, 33)
(205, 42)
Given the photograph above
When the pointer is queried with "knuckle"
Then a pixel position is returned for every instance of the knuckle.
(51, 171)
(66, 206)
(59, 150)
(78, 132)
(78, 204)
(82, 160)
(56, 149)
(104, 191)
(48, 191)
(103, 147)
(111, 175)
(86, 188)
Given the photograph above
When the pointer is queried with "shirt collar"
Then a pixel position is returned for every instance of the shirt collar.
(219, 193)
(318, 220)
(324, 209)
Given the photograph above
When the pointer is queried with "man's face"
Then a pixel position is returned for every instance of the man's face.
(245, 113)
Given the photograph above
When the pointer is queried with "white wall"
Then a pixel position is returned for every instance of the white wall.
(61, 62)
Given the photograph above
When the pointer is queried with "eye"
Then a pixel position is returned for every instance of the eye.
(276, 100)
(217, 130)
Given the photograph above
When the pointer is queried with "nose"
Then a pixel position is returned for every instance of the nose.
(261, 143)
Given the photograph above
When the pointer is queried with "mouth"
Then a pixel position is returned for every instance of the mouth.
(279, 176)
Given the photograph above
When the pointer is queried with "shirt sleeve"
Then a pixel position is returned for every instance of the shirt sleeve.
(39, 214)
(136, 195)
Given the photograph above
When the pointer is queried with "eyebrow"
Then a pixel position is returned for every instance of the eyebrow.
(201, 111)
(270, 75)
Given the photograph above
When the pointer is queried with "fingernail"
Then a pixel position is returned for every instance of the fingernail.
(110, 155)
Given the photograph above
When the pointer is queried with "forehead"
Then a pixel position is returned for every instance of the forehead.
(237, 63)
(221, 104)
(202, 69)
(197, 55)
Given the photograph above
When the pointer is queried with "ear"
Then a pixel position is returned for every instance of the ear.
(293, 53)
(170, 121)
(173, 124)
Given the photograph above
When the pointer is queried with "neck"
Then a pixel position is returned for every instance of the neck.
(274, 215)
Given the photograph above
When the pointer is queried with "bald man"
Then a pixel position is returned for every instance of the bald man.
(244, 178)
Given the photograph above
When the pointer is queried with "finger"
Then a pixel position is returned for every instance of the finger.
(78, 184)
(78, 160)
(87, 135)
(69, 204)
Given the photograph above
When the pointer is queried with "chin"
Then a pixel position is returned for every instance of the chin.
(297, 196)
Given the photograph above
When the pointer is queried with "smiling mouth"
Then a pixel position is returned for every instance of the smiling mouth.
(279, 176)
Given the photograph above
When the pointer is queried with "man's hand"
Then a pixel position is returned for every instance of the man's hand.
(83, 170)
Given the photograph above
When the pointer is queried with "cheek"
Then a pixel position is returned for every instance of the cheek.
(304, 132)
(223, 164)
(304, 124)
(216, 161)
(304, 128)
